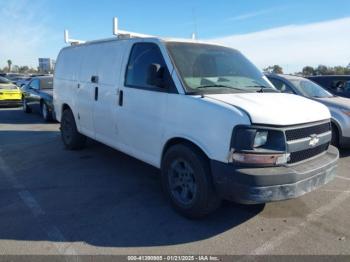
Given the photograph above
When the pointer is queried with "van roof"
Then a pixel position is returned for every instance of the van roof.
(162, 39)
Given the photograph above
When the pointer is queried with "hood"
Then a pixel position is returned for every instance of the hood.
(276, 108)
(336, 101)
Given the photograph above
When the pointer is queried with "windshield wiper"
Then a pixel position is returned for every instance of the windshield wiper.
(224, 86)
(261, 90)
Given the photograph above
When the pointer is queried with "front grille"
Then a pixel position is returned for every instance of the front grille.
(307, 153)
(294, 134)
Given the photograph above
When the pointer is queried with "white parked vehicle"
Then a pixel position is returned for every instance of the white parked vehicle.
(200, 112)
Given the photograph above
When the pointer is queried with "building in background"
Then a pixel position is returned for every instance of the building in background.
(46, 65)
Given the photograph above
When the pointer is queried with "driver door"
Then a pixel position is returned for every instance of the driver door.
(142, 106)
(33, 97)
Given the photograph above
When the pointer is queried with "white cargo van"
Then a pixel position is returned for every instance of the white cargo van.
(202, 113)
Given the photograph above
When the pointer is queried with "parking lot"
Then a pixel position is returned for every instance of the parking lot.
(100, 201)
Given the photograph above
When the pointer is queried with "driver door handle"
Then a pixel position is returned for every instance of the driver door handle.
(121, 98)
(96, 93)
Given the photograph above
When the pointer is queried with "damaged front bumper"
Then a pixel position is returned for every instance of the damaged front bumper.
(251, 185)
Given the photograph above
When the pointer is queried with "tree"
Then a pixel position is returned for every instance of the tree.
(322, 70)
(275, 69)
(308, 71)
(15, 68)
(9, 63)
(339, 70)
(23, 69)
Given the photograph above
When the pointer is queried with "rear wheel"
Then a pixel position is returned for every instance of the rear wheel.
(187, 181)
(25, 106)
(46, 114)
(72, 139)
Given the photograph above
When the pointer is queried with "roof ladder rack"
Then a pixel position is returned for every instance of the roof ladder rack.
(125, 34)
(71, 41)
(116, 31)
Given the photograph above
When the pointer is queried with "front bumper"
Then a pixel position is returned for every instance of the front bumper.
(344, 142)
(266, 184)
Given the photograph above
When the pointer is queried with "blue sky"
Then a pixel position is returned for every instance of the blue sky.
(35, 28)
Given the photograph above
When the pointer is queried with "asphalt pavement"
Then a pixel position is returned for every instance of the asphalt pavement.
(101, 201)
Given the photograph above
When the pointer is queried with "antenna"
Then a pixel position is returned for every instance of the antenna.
(195, 31)
(67, 40)
(125, 34)
(193, 36)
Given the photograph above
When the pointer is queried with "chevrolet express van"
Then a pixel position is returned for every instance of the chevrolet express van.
(201, 113)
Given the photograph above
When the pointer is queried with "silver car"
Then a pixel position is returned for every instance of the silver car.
(338, 106)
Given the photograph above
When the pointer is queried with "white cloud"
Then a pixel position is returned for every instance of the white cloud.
(251, 15)
(295, 46)
(23, 32)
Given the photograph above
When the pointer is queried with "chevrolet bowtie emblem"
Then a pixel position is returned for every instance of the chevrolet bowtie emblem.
(314, 139)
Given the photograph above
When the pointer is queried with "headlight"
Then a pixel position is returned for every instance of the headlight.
(258, 146)
(260, 138)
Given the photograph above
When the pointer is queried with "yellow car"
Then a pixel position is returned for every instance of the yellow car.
(10, 94)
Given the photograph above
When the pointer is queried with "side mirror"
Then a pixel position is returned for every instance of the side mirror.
(155, 75)
(94, 79)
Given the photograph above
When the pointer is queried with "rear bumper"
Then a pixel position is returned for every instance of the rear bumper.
(260, 185)
(10, 102)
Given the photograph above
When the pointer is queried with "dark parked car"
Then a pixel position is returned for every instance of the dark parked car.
(336, 84)
(14, 77)
(338, 106)
(37, 96)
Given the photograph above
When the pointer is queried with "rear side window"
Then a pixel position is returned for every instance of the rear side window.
(338, 84)
(347, 86)
(46, 83)
(141, 57)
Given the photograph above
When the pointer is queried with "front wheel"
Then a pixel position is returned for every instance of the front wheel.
(187, 181)
(71, 138)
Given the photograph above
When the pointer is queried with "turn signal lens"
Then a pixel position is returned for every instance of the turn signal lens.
(261, 159)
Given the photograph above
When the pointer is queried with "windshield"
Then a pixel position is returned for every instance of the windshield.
(310, 89)
(215, 69)
(4, 80)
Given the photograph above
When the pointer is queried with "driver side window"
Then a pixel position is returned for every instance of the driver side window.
(142, 56)
(281, 86)
(35, 84)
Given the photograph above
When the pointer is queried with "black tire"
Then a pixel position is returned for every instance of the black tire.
(45, 112)
(200, 198)
(335, 136)
(71, 138)
(25, 107)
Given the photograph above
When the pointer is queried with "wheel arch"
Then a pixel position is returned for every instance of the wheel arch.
(64, 107)
(182, 140)
(337, 126)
